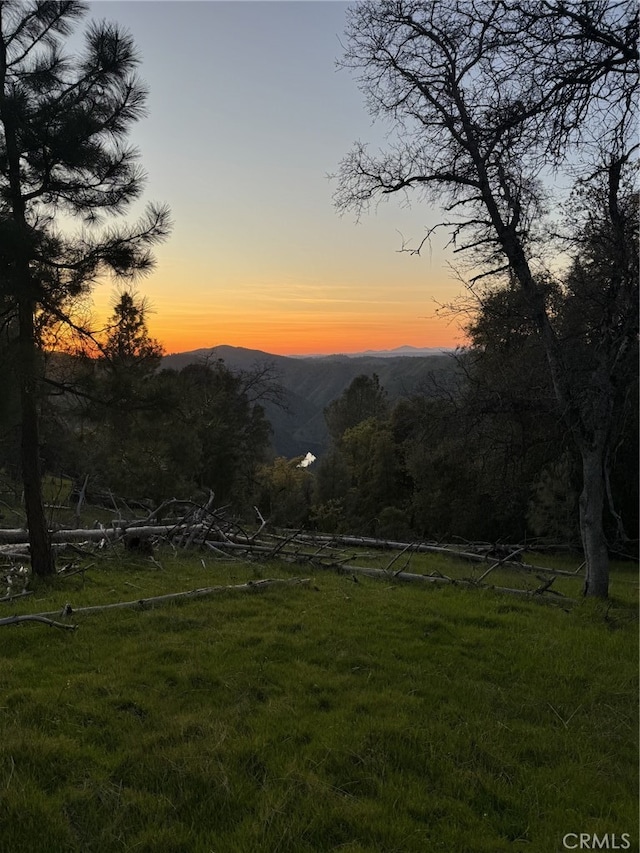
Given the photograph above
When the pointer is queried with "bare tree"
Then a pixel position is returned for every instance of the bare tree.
(63, 123)
(490, 100)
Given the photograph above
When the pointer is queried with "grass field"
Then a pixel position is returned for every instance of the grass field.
(339, 716)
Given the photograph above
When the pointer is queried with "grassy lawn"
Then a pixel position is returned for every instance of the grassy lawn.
(347, 716)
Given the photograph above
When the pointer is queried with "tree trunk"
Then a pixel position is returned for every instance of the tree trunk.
(594, 542)
(42, 559)
(592, 498)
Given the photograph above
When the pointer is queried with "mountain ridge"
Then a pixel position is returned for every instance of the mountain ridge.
(404, 351)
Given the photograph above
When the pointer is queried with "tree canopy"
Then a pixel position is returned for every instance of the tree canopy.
(489, 102)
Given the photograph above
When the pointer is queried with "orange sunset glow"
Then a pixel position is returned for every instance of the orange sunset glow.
(181, 328)
(271, 321)
(294, 337)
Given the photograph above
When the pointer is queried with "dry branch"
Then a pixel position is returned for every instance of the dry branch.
(409, 577)
(15, 596)
(145, 603)
(36, 617)
(203, 526)
(427, 548)
(506, 559)
(95, 534)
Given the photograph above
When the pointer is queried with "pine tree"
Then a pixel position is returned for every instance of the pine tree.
(63, 158)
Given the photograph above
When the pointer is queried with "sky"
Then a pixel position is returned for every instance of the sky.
(248, 116)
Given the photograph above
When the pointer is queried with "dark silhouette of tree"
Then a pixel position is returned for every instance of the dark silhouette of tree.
(364, 398)
(232, 431)
(128, 342)
(375, 476)
(487, 99)
(129, 359)
(360, 477)
(63, 126)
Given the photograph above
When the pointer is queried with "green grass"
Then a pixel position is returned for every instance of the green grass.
(342, 716)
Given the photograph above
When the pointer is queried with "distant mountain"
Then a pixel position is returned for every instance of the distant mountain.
(312, 382)
(238, 357)
(405, 351)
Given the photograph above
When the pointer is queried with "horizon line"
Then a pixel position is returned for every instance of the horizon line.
(407, 348)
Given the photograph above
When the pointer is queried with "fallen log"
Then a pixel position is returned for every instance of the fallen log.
(392, 545)
(36, 617)
(145, 603)
(15, 596)
(15, 535)
(411, 577)
(96, 534)
(220, 537)
(426, 548)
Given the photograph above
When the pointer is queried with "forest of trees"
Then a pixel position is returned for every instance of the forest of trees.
(489, 101)
(485, 457)
(143, 432)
